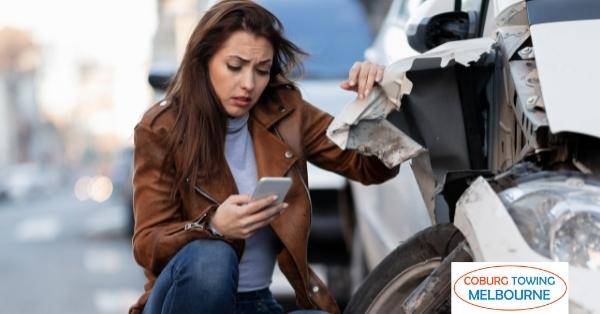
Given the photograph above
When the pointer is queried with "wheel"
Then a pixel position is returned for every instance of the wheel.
(392, 281)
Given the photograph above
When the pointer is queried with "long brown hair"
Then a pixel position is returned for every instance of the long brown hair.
(198, 134)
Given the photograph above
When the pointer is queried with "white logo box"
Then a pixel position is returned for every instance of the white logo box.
(487, 287)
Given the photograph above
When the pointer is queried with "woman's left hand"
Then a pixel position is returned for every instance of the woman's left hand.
(362, 77)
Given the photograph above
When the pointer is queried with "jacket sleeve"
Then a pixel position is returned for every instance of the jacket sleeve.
(324, 153)
(160, 230)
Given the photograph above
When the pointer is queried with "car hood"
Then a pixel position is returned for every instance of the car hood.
(567, 58)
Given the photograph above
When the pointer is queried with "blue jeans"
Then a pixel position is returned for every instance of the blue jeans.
(203, 278)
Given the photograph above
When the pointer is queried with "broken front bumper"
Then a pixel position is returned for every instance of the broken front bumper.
(494, 237)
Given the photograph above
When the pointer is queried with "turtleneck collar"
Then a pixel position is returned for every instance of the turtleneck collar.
(236, 124)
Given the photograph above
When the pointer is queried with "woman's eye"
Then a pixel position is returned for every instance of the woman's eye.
(234, 68)
(263, 72)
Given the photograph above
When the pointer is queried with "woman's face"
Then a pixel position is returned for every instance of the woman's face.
(240, 71)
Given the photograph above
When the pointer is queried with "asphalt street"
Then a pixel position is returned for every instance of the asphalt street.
(60, 255)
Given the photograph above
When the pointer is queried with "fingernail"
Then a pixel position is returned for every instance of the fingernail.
(352, 82)
(285, 205)
(367, 91)
(274, 197)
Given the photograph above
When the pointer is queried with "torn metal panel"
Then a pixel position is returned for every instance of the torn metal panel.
(462, 51)
(387, 96)
(384, 140)
(362, 125)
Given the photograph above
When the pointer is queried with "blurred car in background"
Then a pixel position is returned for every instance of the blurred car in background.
(122, 176)
(28, 180)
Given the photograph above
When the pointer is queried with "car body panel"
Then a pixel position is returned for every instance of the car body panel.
(390, 213)
(569, 77)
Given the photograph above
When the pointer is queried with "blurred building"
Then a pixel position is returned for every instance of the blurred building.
(177, 19)
(24, 135)
(72, 85)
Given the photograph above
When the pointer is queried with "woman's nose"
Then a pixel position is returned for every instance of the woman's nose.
(248, 81)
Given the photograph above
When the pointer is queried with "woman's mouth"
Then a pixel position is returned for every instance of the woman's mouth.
(241, 101)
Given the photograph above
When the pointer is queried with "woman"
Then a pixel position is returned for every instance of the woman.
(230, 116)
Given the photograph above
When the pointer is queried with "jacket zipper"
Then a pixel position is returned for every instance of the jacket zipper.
(199, 223)
(203, 193)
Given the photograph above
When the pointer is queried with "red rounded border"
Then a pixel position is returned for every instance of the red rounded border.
(520, 266)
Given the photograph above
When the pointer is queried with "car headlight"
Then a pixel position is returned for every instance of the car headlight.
(559, 217)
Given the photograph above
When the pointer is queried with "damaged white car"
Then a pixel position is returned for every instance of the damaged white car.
(500, 125)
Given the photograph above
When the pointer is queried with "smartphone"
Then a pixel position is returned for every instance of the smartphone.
(272, 186)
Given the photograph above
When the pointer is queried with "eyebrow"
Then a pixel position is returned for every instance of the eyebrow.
(248, 61)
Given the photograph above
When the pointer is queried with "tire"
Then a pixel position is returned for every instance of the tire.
(388, 285)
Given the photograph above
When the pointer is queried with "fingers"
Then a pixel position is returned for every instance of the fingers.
(351, 83)
(261, 219)
(362, 77)
(346, 85)
(238, 199)
(372, 74)
(255, 206)
(239, 217)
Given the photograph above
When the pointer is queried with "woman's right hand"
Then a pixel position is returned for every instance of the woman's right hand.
(238, 217)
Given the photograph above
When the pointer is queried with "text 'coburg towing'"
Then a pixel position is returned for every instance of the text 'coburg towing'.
(493, 287)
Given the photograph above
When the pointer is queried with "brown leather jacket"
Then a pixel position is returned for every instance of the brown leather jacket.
(286, 132)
